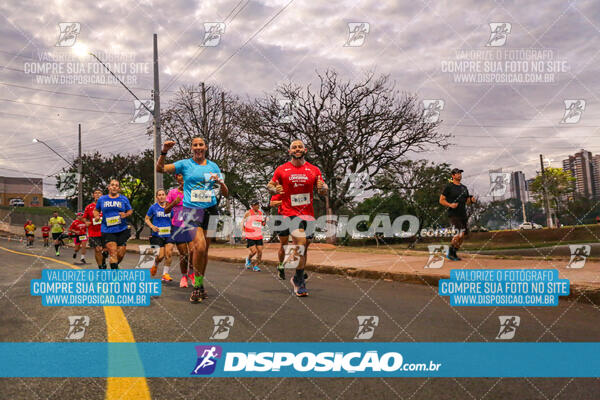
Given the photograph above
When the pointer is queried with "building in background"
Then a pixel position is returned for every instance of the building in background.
(596, 165)
(29, 190)
(581, 166)
(518, 186)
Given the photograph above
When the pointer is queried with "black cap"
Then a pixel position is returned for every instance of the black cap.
(255, 201)
(456, 171)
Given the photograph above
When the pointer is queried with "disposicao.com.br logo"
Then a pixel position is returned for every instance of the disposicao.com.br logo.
(313, 363)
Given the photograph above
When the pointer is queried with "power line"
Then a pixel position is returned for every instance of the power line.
(249, 40)
(65, 108)
(63, 93)
(201, 50)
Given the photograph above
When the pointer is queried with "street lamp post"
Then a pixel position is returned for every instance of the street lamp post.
(79, 183)
(81, 49)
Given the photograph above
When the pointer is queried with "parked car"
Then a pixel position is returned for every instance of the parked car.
(16, 203)
(529, 225)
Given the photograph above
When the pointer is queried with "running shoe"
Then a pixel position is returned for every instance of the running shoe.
(302, 292)
(456, 257)
(83, 261)
(295, 286)
(191, 277)
(248, 263)
(281, 271)
(256, 268)
(57, 253)
(183, 282)
(166, 278)
(153, 270)
(196, 296)
(203, 294)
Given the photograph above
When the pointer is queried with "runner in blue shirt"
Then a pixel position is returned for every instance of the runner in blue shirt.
(115, 209)
(200, 177)
(159, 223)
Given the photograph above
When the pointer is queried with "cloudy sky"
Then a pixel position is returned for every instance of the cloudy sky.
(547, 50)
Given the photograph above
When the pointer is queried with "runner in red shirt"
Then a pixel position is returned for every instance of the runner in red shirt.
(252, 225)
(46, 235)
(77, 230)
(93, 226)
(295, 181)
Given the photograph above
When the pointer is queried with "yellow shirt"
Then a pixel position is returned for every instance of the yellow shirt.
(56, 224)
(30, 228)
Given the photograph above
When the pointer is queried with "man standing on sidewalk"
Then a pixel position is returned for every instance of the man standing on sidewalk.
(456, 197)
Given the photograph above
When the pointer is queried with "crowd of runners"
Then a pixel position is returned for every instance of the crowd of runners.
(180, 218)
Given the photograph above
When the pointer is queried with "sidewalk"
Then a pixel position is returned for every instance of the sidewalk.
(409, 267)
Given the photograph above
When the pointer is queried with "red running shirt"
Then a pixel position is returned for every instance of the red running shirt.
(253, 225)
(298, 186)
(93, 229)
(78, 227)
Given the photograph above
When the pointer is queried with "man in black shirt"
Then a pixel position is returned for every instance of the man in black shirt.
(456, 197)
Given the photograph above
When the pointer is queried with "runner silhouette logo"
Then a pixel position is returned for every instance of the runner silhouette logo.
(498, 34)
(573, 111)
(508, 326)
(77, 325)
(579, 254)
(207, 359)
(223, 324)
(366, 326)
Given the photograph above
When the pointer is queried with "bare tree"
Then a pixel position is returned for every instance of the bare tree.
(349, 128)
(209, 115)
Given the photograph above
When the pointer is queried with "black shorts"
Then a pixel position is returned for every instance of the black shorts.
(56, 235)
(295, 221)
(208, 212)
(120, 238)
(159, 241)
(459, 223)
(95, 241)
(29, 234)
(254, 242)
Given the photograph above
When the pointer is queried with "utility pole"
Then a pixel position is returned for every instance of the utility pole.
(524, 214)
(204, 116)
(158, 177)
(79, 172)
(546, 199)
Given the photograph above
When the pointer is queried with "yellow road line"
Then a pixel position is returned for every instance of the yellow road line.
(118, 331)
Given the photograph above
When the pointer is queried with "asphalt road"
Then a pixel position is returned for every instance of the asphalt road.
(264, 311)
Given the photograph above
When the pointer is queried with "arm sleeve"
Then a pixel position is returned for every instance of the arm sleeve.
(150, 212)
(179, 166)
(127, 204)
(446, 192)
(277, 176)
(98, 206)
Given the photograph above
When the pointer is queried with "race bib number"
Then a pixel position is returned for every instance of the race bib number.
(111, 221)
(98, 222)
(82, 238)
(201, 196)
(300, 199)
(165, 230)
(256, 224)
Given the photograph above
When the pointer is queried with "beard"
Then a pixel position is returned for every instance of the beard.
(296, 157)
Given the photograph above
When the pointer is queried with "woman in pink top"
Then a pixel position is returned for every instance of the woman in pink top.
(181, 234)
